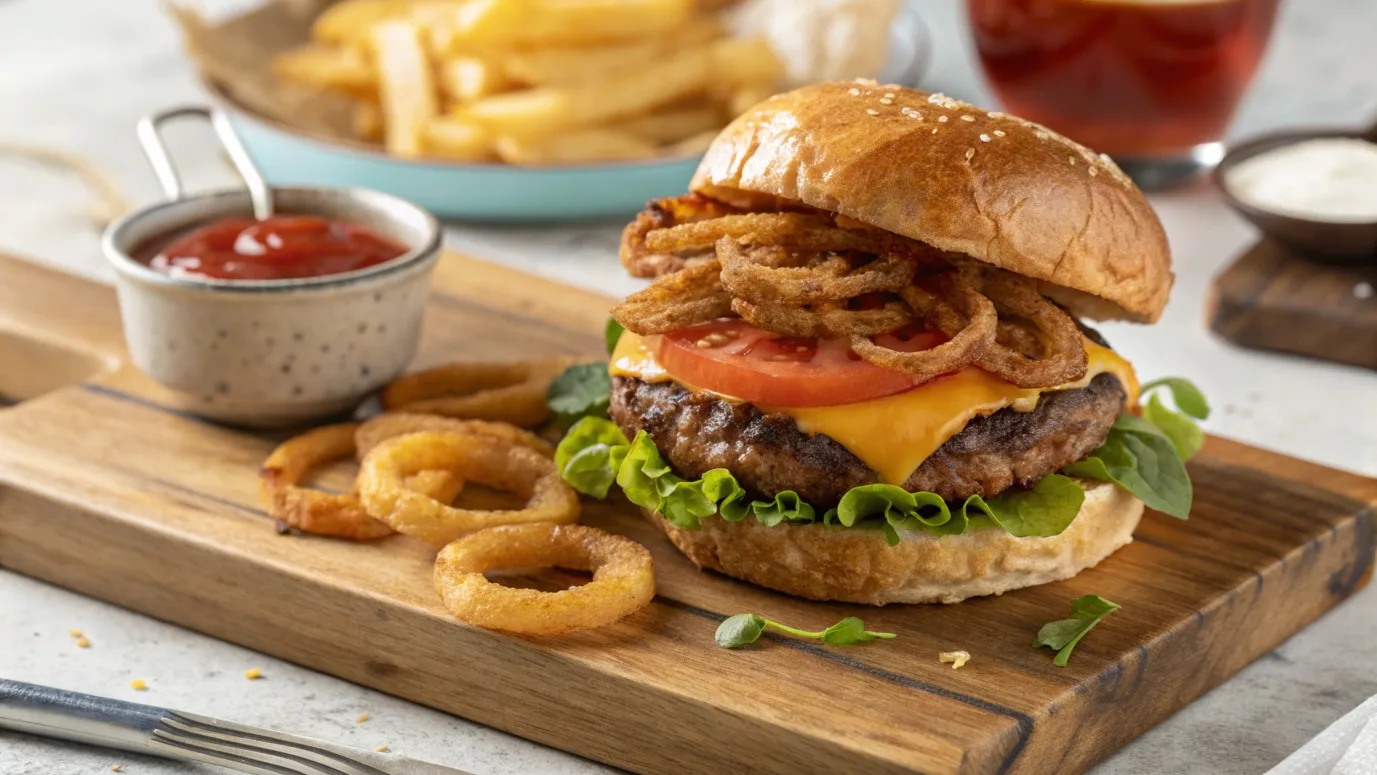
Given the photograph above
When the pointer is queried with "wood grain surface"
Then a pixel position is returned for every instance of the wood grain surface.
(1273, 299)
(108, 489)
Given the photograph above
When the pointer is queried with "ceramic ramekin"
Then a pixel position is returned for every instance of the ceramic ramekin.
(278, 352)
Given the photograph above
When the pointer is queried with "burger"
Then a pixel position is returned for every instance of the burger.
(863, 371)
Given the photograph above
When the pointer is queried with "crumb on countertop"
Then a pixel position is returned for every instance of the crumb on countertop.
(138, 685)
(253, 673)
(75, 633)
(381, 748)
(362, 718)
(956, 658)
(83, 643)
(116, 768)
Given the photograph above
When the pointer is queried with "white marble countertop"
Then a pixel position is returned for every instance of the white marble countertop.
(76, 74)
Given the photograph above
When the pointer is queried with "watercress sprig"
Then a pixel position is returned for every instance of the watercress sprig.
(743, 629)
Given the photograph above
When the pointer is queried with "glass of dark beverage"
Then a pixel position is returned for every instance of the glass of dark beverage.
(1153, 83)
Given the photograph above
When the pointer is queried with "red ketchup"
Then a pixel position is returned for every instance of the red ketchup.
(285, 247)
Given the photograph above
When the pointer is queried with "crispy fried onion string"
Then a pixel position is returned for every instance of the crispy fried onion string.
(760, 276)
(390, 424)
(824, 321)
(330, 514)
(486, 460)
(1064, 360)
(953, 307)
(640, 260)
(676, 301)
(623, 578)
(499, 392)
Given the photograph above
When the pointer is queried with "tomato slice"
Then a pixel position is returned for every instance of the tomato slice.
(734, 358)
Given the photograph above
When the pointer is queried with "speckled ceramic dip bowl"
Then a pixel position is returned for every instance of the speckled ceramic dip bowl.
(275, 352)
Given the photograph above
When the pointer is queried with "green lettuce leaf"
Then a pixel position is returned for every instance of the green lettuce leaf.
(786, 507)
(590, 455)
(1062, 636)
(1141, 459)
(582, 390)
(1043, 511)
(1185, 435)
(1184, 394)
(613, 332)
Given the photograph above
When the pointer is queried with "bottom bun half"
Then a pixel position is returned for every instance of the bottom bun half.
(858, 566)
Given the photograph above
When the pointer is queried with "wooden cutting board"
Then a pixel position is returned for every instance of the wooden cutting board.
(1271, 298)
(107, 490)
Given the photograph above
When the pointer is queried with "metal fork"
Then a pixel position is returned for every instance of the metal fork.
(43, 710)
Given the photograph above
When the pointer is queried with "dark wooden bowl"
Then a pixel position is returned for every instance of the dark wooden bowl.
(1349, 243)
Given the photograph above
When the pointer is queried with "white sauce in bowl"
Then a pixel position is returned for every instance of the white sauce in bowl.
(1331, 179)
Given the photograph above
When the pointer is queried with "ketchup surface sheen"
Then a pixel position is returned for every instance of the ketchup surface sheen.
(280, 248)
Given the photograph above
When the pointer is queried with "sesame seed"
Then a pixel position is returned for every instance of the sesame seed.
(83, 643)
(138, 685)
(886, 101)
(1094, 172)
(1104, 157)
(889, 95)
(995, 114)
(999, 133)
(1041, 135)
(969, 153)
(1071, 159)
(934, 130)
(362, 718)
(872, 111)
(74, 633)
(253, 673)
(941, 119)
(984, 138)
(854, 92)
(116, 768)
(967, 117)
(381, 749)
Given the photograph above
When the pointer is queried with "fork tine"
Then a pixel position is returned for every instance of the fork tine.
(271, 742)
(253, 750)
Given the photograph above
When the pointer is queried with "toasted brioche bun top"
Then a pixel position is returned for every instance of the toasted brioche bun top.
(1000, 189)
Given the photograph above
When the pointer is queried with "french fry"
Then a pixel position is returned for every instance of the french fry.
(568, 147)
(322, 67)
(439, 20)
(568, 66)
(349, 21)
(744, 98)
(465, 79)
(450, 138)
(671, 126)
(547, 109)
(568, 21)
(406, 85)
(368, 121)
(745, 61)
(691, 146)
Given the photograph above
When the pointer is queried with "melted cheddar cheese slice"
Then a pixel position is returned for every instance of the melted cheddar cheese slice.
(895, 434)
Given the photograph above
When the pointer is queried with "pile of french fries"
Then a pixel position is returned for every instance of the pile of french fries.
(535, 82)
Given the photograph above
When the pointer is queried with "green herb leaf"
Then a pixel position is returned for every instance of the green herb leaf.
(1141, 459)
(1185, 435)
(1184, 394)
(590, 454)
(1063, 635)
(740, 630)
(582, 390)
(613, 332)
(851, 630)
(1044, 511)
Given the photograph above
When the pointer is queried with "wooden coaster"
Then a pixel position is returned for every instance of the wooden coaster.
(1273, 299)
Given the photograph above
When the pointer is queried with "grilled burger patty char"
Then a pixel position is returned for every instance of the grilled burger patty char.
(767, 453)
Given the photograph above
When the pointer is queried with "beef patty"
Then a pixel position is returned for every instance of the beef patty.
(768, 453)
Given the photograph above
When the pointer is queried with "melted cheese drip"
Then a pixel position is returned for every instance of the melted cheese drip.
(895, 434)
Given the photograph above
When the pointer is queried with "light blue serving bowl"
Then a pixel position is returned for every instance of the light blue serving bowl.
(455, 190)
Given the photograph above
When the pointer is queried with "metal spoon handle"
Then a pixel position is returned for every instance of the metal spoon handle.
(150, 139)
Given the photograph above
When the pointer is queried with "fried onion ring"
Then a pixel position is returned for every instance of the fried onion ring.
(330, 514)
(956, 309)
(486, 460)
(639, 260)
(676, 301)
(822, 322)
(385, 426)
(623, 578)
(1065, 359)
(500, 392)
(754, 275)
